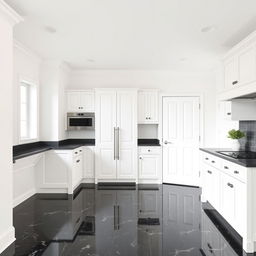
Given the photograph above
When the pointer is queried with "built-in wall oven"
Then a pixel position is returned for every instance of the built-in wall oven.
(80, 121)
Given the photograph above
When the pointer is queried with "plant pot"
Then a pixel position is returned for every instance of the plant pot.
(235, 145)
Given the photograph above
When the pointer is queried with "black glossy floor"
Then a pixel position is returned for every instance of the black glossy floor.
(147, 220)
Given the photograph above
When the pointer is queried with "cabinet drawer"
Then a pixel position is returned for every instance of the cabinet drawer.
(234, 170)
(212, 160)
(149, 150)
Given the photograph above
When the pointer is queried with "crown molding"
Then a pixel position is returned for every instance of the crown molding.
(11, 16)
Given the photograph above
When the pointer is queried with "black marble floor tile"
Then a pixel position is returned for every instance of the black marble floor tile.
(155, 220)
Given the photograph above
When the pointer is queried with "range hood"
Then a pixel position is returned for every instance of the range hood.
(251, 96)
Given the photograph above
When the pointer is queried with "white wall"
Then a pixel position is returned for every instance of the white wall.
(166, 81)
(26, 67)
(54, 78)
(7, 20)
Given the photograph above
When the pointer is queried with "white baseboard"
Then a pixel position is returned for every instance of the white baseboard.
(23, 197)
(7, 238)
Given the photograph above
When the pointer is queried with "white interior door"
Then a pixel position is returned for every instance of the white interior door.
(181, 140)
(105, 123)
(127, 124)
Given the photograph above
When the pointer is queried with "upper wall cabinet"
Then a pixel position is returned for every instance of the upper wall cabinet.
(148, 107)
(80, 101)
(239, 67)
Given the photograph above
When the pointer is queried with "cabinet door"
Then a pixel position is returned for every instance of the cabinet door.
(152, 107)
(127, 124)
(228, 196)
(231, 73)
(247, 65)
(149, 166)
(142, 107)
(105, 164)
(148, 107)
(77, 171)
(87, 101)
(211, 186)
(89, 162)
(73, 102)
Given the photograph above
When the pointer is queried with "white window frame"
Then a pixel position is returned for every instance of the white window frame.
(33, 85)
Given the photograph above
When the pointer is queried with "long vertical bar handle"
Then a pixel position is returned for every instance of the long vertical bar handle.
(118, 143)
(114, 143)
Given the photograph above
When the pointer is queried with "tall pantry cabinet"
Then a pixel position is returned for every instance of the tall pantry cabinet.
(116, 135)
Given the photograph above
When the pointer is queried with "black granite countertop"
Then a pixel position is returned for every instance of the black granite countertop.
(243, 162)
(29, 149)
(148, 142)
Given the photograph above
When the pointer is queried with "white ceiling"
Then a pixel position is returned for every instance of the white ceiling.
(134, 34)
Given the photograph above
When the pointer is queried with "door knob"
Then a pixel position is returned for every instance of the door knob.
(167, 142)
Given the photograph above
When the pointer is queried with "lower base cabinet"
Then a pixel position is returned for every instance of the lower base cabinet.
(150, 165)
(88, 164)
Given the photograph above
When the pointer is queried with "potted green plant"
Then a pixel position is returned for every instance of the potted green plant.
(235, 135)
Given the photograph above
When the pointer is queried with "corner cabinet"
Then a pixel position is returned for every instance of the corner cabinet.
(116, 135)
(148, 107)
(80, 101)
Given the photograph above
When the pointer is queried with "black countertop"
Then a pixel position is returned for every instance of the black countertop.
(148, 142)
(242, 162)
(29, 149)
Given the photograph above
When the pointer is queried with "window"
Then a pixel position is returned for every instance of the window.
(28, 111)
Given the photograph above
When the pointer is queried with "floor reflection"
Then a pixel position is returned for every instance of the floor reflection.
(147, 220)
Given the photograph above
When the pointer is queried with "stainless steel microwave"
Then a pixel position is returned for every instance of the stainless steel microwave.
(80, 121)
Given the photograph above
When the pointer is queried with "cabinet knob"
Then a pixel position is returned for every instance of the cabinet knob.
(76, 152)
(236, 172)
(149, 118)
(80, 150)
(206, 158)
(229, 113)
(209, 172)
(230, 185)
(235, 82)
(213, 162)
(167, 142)
(225, 167)
(140, 158)
(77, 161)
(149, 150)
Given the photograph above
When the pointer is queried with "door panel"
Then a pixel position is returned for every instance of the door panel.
(105, 164)
(87, 101)
(181, 134)
(127, 123)
(148, 166)
(73, 101)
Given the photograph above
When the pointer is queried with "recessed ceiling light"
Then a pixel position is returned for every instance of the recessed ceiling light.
(90, 60)
(183, 59)
(208, 29)
(50, 29)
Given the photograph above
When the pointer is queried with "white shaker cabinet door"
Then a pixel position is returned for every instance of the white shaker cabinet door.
(89, 162)
(105, 122)
(127, 126)
(87, 101)
(73, 102)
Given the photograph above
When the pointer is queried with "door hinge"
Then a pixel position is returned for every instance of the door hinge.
(199, 138)
(199, 106)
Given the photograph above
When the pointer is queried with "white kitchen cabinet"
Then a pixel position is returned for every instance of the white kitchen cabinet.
(231, 73)
(233, 201)
(148, 107)
(211, 185)
(88, 157)
(80, 101)
(225, 108)
(246, 65)
(150, 165)
(62, 171)
(116, 135)
(230, 190)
